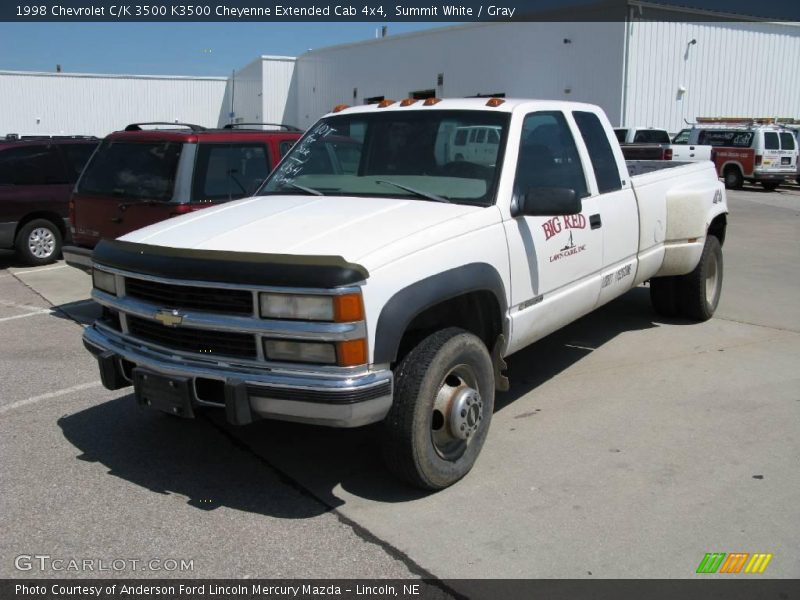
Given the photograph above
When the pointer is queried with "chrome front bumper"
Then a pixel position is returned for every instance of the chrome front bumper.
(248, 392)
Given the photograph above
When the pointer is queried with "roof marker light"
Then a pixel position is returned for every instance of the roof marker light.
(340, 107)
(385, 103)
(494, 102)
(407, 101)
(431, 101)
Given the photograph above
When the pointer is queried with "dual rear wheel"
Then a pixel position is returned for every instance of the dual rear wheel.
(695, 295)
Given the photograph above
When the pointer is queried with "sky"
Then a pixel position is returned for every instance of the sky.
(170, 48)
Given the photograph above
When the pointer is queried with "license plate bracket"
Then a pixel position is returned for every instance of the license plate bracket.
(169, 394)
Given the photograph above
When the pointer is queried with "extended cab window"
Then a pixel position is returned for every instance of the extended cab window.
(414, 154)
(229, 171)
(31, 165)
(133, 170)
(548, 156)
(605, 165)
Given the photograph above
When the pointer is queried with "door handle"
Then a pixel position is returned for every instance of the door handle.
(595, 222)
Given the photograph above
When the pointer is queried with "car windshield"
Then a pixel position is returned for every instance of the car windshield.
(132, 170)
(449, 156)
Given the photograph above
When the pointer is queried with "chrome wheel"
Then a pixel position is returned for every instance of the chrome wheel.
(457, 413)
(42, 243)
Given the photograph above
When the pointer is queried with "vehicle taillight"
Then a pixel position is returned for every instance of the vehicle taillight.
(667, 154)
(182, 209)
(758, 160)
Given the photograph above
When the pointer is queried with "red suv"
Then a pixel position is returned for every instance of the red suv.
(142, 176)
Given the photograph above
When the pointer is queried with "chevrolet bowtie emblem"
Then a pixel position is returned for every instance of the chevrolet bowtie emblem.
(169, 318)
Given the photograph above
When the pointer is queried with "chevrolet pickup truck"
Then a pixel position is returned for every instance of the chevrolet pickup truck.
(390, 285)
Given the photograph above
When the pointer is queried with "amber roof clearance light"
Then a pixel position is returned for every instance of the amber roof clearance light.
(495, 102)
(431, 101)
(340, 107)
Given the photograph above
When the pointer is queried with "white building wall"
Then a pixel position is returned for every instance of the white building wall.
(70, 103)
(735, 69)
(519, 59)
(246, 86)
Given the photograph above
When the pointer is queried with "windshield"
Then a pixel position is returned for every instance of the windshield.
(132, 170)
(438, 155)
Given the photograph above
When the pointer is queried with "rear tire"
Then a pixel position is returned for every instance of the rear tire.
(442, 408)
(733, 178)
(699, 291)
(770, 186)
(664, 296)
(38, 242)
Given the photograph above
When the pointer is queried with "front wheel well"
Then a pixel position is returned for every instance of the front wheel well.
(718, 227)
(477, 312)
(54, 218)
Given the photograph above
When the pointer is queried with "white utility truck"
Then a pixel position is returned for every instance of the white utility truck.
(392, 291)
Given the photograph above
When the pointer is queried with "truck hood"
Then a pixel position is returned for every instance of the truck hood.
(367, 231)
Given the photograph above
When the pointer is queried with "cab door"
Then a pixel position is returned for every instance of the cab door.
(618, 212)
(555, 260)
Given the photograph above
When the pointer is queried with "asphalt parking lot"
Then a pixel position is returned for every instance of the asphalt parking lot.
(628, 446)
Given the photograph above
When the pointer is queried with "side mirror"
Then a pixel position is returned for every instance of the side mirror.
(548, 202)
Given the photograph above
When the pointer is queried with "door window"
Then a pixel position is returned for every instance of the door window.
(548, 156)
(603, 162)
(771, 141)
(787, 141)
(229, 171)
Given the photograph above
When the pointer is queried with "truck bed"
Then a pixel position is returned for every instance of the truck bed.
(640, 167)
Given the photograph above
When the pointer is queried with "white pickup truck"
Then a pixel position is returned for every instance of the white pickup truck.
(390, 286)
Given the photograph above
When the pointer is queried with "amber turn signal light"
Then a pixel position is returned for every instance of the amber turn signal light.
(348, 307)
(351, 353)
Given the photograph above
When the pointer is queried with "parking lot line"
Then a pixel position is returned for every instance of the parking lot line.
(39, 270)
(48, 396)
(43, 311)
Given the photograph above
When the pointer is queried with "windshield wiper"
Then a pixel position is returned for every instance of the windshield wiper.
(302, 188)
(426, 195)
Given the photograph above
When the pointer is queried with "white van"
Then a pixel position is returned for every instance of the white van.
(476, 144)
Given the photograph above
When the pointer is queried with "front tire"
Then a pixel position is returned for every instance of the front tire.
(38, 242)
(700, 290)
(442, 408)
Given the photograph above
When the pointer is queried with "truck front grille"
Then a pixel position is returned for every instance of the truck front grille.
(219, 300)
(222, 343)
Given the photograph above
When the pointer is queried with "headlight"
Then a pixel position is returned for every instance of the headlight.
(342, 308)
(349, 353)
(105, 281)
(291, 351)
